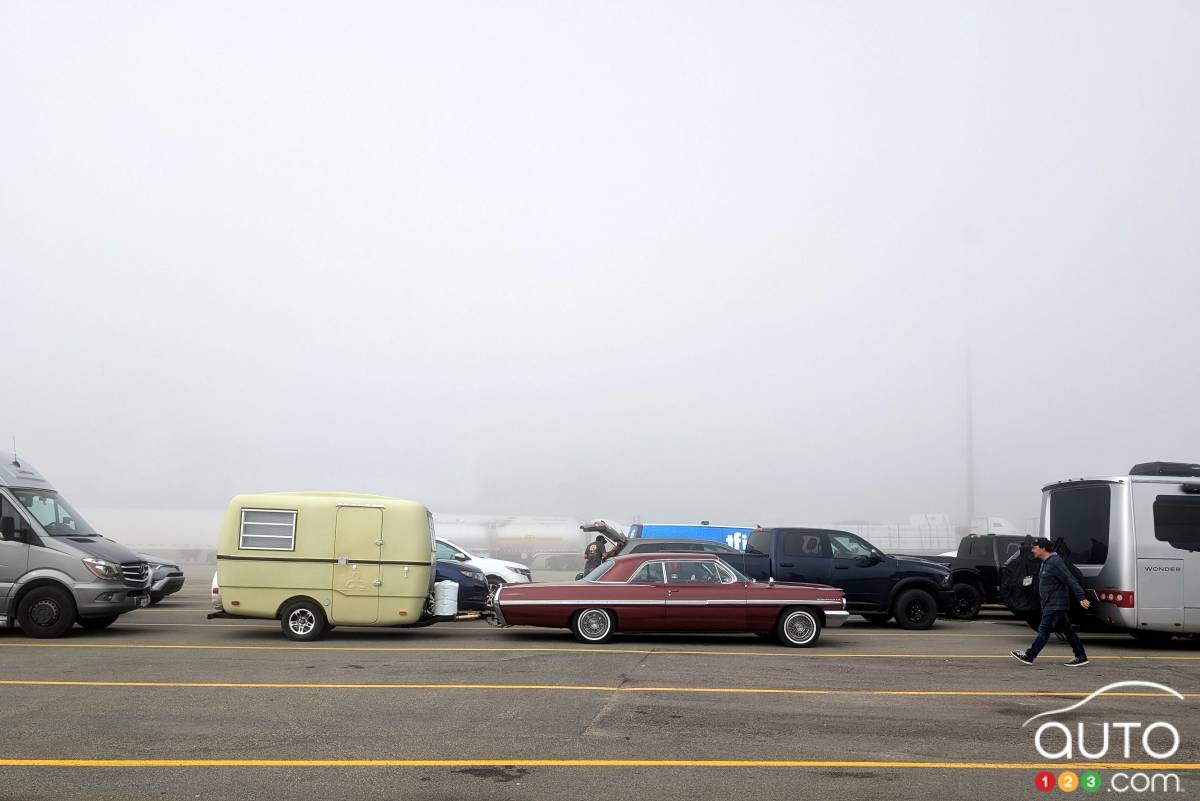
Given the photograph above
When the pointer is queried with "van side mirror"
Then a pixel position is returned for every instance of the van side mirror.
(8, 528)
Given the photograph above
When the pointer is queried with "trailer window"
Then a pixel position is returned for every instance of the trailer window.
(1177, 521)
(1080, 518)
(268, 530)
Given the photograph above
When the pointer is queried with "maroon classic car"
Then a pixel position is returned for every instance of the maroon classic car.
(680, 592)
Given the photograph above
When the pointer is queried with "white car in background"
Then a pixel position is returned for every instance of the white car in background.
(497, 571)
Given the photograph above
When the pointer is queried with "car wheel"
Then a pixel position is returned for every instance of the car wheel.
(1152, 638)
(46, 612)
(967, 601)
(303, 621)
(878, 618)
(915, 609)
(593, 626)
(97, 622)
(798, 628)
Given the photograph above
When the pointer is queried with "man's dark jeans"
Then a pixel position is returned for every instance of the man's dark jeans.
(1055, 619)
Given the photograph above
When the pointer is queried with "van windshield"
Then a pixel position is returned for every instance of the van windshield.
(57, 516)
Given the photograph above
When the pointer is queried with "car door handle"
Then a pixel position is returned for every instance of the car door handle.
(787, 564)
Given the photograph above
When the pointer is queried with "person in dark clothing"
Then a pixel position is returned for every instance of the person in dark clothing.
(1056, 585)
(594, 554)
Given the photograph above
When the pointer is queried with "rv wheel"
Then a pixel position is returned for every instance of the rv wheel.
(304, 621)
(46, 612)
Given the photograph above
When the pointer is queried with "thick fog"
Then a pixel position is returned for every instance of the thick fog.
(657, 260)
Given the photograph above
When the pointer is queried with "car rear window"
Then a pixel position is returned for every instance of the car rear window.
(1177, 521)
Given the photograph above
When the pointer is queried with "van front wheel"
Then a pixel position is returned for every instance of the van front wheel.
(303, 621)
(46, 612)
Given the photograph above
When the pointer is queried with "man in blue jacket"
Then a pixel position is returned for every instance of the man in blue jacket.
(1056, 585)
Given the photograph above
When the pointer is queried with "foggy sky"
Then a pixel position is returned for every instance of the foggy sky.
(668, 260)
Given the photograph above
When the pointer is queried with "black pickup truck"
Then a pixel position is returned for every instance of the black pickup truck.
(975, 571)
(877, 586)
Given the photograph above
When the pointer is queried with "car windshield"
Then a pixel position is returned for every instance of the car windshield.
(446, 550)
(57, 516)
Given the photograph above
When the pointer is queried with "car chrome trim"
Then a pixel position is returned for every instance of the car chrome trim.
(667, 602)
(835, 619)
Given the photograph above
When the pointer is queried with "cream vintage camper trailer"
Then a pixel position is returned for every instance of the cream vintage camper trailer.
(314, 560)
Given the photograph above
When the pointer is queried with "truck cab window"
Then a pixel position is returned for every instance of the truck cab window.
(801, 543)
(848, 546)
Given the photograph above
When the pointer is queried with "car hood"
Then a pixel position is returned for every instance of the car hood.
(100, 548)
(157, 560)
(917, 563)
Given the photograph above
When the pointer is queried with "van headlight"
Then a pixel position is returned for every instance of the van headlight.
(102, 569)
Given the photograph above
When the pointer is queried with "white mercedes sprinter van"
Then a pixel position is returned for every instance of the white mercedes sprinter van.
(1136, 539)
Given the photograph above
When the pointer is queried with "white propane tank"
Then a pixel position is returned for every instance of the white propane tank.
(445, 598)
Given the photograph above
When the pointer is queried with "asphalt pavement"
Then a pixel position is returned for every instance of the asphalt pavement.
(166, 704)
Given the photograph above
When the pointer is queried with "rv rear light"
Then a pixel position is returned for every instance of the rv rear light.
(235, 603)
(1122, 599)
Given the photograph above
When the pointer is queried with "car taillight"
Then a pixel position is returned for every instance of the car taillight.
(1119, 598)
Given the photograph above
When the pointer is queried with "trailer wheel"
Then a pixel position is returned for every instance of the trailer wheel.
(303, 621)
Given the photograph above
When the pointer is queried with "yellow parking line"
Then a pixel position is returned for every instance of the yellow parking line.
(1022, 634)
(826, 653)
(582, 763)
(576, 688)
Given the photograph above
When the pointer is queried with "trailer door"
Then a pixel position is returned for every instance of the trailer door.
(358, 544)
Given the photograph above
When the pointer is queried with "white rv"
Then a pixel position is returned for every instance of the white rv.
(1136, 539)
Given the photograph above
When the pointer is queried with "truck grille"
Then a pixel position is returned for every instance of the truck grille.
(135, 573)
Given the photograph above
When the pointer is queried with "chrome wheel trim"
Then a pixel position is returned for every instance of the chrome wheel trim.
(594, 624)
(302, 621)
(800, 627)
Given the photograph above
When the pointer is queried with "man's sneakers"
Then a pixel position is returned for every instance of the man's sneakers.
(1076, 662)
(1024, 660)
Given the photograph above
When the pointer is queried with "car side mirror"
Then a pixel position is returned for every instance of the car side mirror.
(460, 556)
(867, 561)
(8, 528)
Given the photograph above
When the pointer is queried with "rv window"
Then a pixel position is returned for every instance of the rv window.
(1177, 521)
(268, 530)
(1080, 518)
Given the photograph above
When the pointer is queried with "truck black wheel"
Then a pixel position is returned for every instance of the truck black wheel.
(46, 612)
(878, 618)
(915, 609)
(593, 626)
(98, 622)
(303, 621)
(798, 628)
(967, 601)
